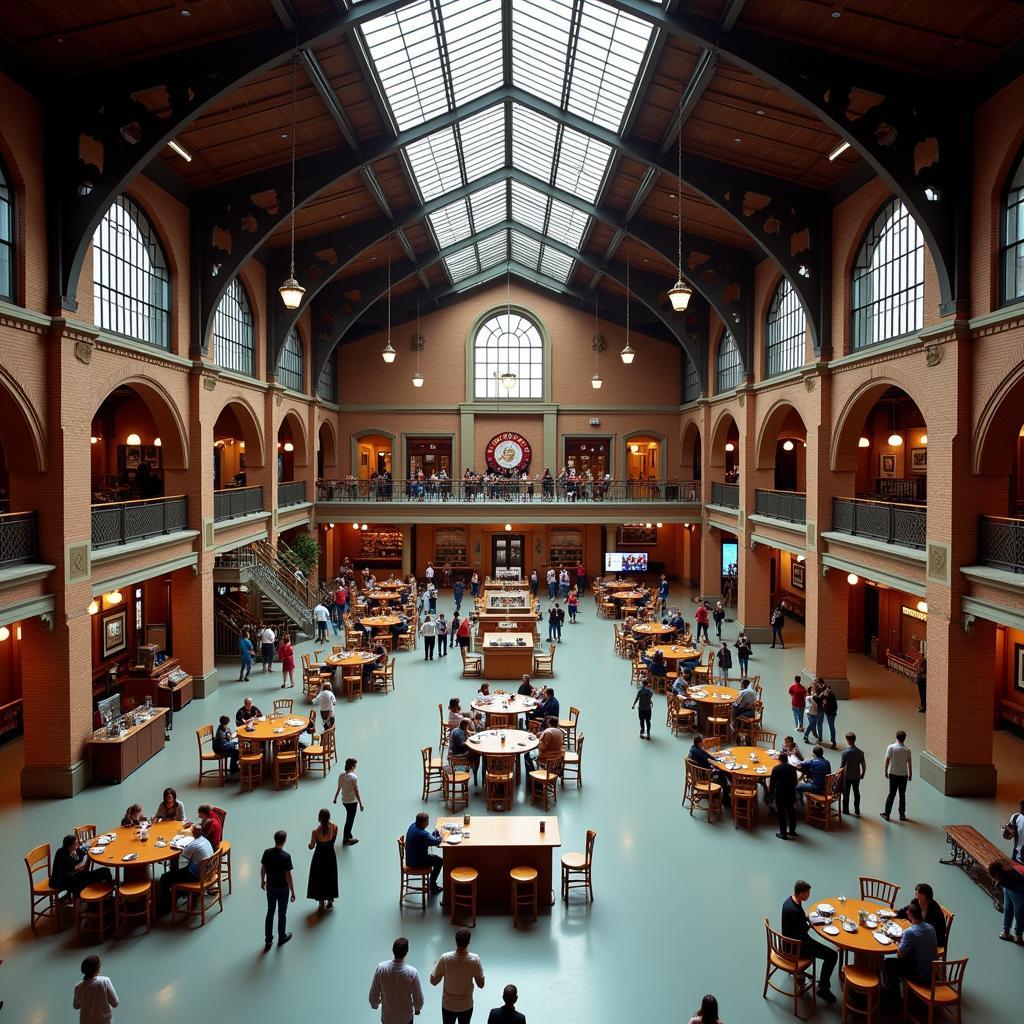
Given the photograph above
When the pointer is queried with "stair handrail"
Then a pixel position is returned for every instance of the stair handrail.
(268, 580)
(285, 572)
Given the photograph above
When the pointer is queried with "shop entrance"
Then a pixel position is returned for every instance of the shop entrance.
(507, 551)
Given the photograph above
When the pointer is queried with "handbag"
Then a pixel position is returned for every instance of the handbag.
(1010, 828)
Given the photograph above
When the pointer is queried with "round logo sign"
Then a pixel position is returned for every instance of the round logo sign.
(509, 451)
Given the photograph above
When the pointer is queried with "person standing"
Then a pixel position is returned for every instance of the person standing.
(796, 926)
(581, 577)
(348, 790)
(457, 592)
(744, 648)
(95, 998)
(325, 701)
(428, 630)
(663, 594)
(474, 584)
(797, 698)
(459, 970)
(534, 583)
(267, 640)
(462, 637)
(1014, 831)
(245, 653)
(442, 636)
(552, 584)
(852, 759)
(572, 603)
(287, 653)
(828, 708)
(507, 1012)
(555, 618)
(724, 659)
(321, 616)
(899, 771)
(719, 616)
(323, 868)
(812, 710)
(702, 619)
(782, 794)
(429, 574)
(276, 880)
(642, 702)
(1011, 880)
(708, 1012)
(921, 678)
(778, 620)
(396, 987)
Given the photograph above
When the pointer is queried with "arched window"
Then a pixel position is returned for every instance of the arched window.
(6, 238)
(291, 366)
(691, 381)
(1013, 238)
(728, 366)
(888, 278)
(131, 285)
(507, 344)
(327, 386)
(233, 346)
(785, 331)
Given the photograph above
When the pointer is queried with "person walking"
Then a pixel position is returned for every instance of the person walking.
(396, 987)
(828, 708)
(245, 653)
(267, 641)
(797, 698)
(276, 881)
(572, 603)
(663, 594)
(287, 655)
(812, 713)
(921, 678)
(724, 659)
(95, 998)
(782, 795)
(428, 630)
(323, 868)
(442, 636)
(719, 616)
(325, 701)
(1011, 881)
(460, 970)
(642, 702)
(702, 618)
(552, 584)
(457, 592)
(507, 1012)
(708, 1012)
(744, 648)
(348, 790)
(321, 616)
(899, 771)
(852, 759)
(778, 620)
(555, 619)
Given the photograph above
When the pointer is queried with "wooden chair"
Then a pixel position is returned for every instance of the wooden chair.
(445, 729)
(355, 639)
(544, 664)
(577, 869)
(85, 832)
(455, 786)
(283, 706)
(413, 881)
(764, 739)
(206, 887)
(826, 809)
(407, 640)
(94, 910)
(746, 728)
(572, 763)
(133, 902)
(250, 764)
(703, 789)
(876, 890)
(943, 996)
(605, 609)
(225, 847)
(744, 803)
(679, 717)
(638, 671)
(466, 764)
(312, 675)
(462, 895)
(719, 722)
(703, 674)
(948, 915)
(544, 781)
(352, 684)
(862, 993)
(713, 744)
(286, 763)
(321, 754)
(432, 775)
(384, 676)
(338, 649)
(499, 783)
(784, 957)
(207, 756)
(312, 719)
(42, 897)
(568, 726)
(524, 892)
(472, 664)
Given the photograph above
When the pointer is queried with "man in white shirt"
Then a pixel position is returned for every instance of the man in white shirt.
(429, 573)
(325, 701)
(194, 854)
(267, 640)
(459, 970)
(396, 987)
(552, 583)
(899, 771)
(95, 997)
(321, 616)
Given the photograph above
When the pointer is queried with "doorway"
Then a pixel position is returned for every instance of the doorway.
(871, 619)
(507, 551)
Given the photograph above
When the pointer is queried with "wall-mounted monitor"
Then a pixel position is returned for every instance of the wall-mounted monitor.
(625, 561)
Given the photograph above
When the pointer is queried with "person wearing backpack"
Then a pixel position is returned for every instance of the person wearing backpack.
(1014, 830)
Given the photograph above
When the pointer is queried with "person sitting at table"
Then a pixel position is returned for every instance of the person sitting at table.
(456, 716)
(225, 743)
(246, 711)
(552, 743)
(418, 842)
(484, 692)
(380, 659)
(816, 770)
(931, 912)
(913, 961)
(548, 707)
(211, 825)
(525, 687)
(656, 667)
(676, 621)
(307, 737)
(400, 628)
(358, 623)
(195, 853)
(702, 759)
(171, 808)
(70, 871)
(683, 682)
(133, 817)
(743, 705)
(791, 750)
(458, 745)
(796, 926)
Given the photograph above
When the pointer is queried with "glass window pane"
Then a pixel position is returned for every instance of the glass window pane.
(508, 343)
(291, 366)
(785, 331)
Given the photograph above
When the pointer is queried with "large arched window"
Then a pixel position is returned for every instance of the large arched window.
(233, 346)
(291, 366)
(327, 385)
(785, 331)
(131, 285)
(888, 278)
(728, 365)
(6, 238)
(691, 381)
(508, 344)
(1013, 238)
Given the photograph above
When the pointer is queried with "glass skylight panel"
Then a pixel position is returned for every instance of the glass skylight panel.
(529, 207)
(533, 141)
(451, 223)
(472, 33)
(483, 141)
(582, 162)
(493, 250)
(462, 264)
(489, 205)
(540, 46)
(566, 224)
(525, 249)
(555, 264)
(435, 164)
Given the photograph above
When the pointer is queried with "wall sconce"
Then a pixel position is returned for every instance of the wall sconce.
(799, 558)
(508, 527)
(922, 606)
(94, 606)
(363, 527)
(853, 579)
(288, 446)
(93, 439)
(5, 634)
(241, 446)
(355, 526)
(924, 439)
(730, 447)
(788, 446)
(114, 597)
(157, 443)
(133, 439)
(658, 525)
(863, 443)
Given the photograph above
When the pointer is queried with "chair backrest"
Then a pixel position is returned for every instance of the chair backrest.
(312, 717)
(284, 704)
(501, 765)
(534, 725)
(553, 762)
(315, 656)
(426, 753)
(327, 739)
(440, 707)
(337, 649)
(579, 746)
(948, 915)
(290, 745)
(458, 762)
(589, 852)
(204, 734)
(699, 776)
(574, 716)
(209, 870)
(763, 738)
(712, 743)
(949, 972)
(37, 860)
(401, 850)
(878, 890)
(220, 814)
(780, 945)
(306, 662)
(83, 832)
(249, 746)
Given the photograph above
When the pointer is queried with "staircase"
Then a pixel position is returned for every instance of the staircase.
(281, 592)
(229, 619)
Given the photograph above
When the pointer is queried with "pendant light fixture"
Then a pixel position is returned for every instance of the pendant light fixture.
(627, 355)
(508, 378)
(679, 294)
(291, 291)
(389, 354)
(596, 344)
(417, 344)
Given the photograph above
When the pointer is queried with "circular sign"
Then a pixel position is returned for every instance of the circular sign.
(509, 451)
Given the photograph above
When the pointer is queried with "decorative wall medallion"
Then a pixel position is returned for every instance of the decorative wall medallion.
(742, 399)
(209, 381)
(508, 451)
(809, 383)
(933, 354)
(83, 351)
(78, 562)
(48, 621)
(938, 562)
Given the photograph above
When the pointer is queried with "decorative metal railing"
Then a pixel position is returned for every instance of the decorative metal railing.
(291, 493)
(887, 521)
(727, 495)
(122, 522)
(790, 506)
(18, 538)
(235, 502)
(1001, 543)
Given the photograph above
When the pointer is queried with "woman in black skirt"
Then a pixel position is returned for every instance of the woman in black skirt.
(323, 871)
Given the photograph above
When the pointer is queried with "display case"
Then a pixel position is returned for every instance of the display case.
(166, 684)
(450, 547)
(565, 548)
(384, 543)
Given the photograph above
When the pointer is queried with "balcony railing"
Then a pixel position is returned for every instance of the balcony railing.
(887, 521)
(292, 493)
(726, 495)
(516, 491)
(790, 506)
(236, 502)
(18, 541)
(1002, 543)
(122, 522)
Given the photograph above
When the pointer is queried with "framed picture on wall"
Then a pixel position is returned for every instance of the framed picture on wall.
(796, 574)
(918, 460)
(115, 634)
(1018, 667)
(631, 535)
(887, 465)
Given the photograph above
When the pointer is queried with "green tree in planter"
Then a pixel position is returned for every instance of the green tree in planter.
(304, 552)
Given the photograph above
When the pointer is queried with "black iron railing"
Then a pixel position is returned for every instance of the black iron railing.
(519, 491)
(18, 538)
(236, 502)
(887, 521)
(122, 522)
(291, 493)
(727, 495)
(790, 506)
(1001, 543)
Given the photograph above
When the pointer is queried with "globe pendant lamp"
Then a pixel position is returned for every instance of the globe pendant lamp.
(596, 344)
(627, 355)
(508, 379)
(417, 343)
(679, 294)
(389, 354)
(291, 291)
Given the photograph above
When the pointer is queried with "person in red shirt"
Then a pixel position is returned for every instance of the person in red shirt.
(340, 601)
(462, 634)
(798, 696)
(211, 825)
(702, 617)
(287, 655)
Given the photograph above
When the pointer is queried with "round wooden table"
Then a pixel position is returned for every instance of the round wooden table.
(627, 595)
(350, 659)
(511, 705)
(747, 768)
(380, 621)
(392, 585)
(653, 629)
(618, 585)
(674, 652)
(381, 596)
(283, 727)
(861, 944)
(714, 697)
(517, 741)
(127, 841)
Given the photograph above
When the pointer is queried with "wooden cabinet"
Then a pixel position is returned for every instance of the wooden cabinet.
(114, 758)
(450, 547)
(383, 544)
(166, 684)
(565, 549)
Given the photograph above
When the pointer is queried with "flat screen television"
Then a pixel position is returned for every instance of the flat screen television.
(625, 561)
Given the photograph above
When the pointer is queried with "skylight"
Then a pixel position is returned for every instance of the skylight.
(487, 253)
(555, 264)
(457, 221)
(525, 249)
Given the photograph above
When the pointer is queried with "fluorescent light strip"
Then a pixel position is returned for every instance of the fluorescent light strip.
(180, 150)
(839, 150)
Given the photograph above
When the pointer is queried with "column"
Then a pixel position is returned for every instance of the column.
(192, 626)
(755, 560)
(407, 566)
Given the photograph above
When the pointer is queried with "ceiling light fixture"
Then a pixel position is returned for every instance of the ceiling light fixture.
(679, 294)
(597, 343)
(853, 579)
(417, 345)
(788, 446)
(730, 447)
(291, 291)
(180, 150)
(863, 443)
(508, 378)
(288, 446)
(839, 150)
(133, 439)
(114, 597)
(924, 439)
(94, 439)
(157, 443)
(895, 440)
(627, 355)
(389, 354)
(94, 606)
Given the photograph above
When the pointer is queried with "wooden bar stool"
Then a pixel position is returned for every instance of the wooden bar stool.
(250, 764)
(463, 894)
(133, 902)
(524, 892)
(862, 994)
(92, 910)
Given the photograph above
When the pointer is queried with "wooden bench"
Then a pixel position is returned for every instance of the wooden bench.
(974, 853)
